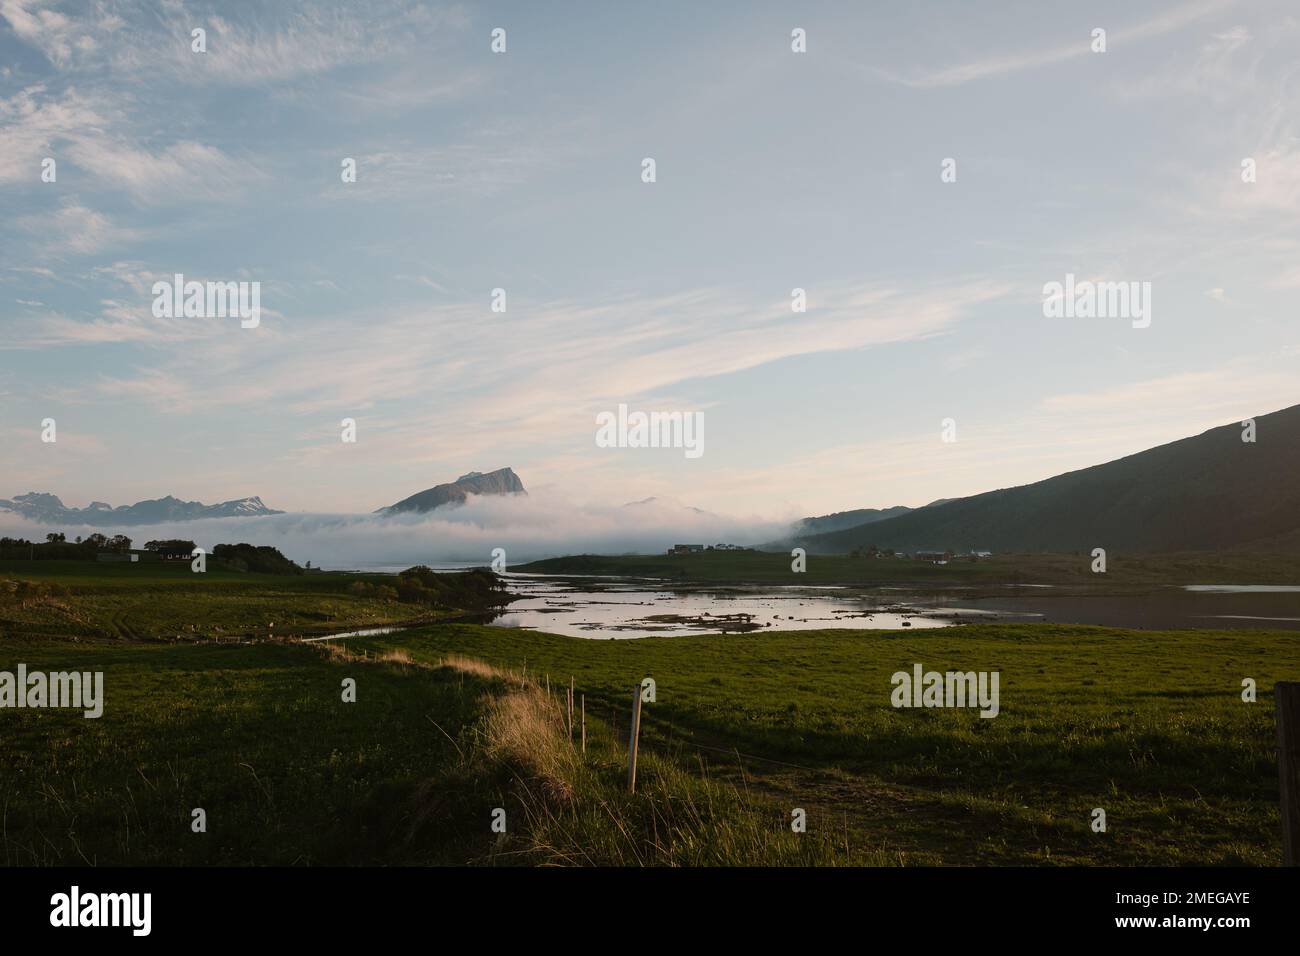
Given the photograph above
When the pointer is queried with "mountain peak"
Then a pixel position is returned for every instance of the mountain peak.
(658, 501)
(39, 499)
(503, 481)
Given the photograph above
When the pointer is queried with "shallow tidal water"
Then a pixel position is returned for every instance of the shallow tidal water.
(616, 608)
(629, 607)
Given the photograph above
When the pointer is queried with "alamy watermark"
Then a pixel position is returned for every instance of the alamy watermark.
(208, 300)
(626, 429)
(951, 689)
(1099, 300)
(75, 908)
(38, 689)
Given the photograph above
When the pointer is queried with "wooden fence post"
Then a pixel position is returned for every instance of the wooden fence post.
(1286, 694)
(584, 723)
(632, 739)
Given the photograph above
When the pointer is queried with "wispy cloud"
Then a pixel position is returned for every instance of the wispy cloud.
(424, 281)
(96, 137)
(1210, 394)
(476, 168)
(76, 229)
(281, 43)
(59, 36)
(1004, 64)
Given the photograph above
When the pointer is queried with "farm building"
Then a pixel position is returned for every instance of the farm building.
(934, 557)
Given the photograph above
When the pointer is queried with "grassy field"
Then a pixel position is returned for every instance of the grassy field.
(1124, 572)
(452, 720)
(1149, 726)
(256, 735)
(164, 600)
(259, 737)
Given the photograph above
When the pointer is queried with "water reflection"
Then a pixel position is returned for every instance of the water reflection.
(625, 608)
(615, 607)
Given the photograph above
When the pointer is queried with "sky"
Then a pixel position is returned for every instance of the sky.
(523, 171)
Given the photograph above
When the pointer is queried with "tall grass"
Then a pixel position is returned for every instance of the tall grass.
(565, 807)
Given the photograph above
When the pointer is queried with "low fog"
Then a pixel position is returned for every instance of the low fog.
(528, 528)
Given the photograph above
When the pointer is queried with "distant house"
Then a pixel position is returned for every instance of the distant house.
(934, 557)
(685, 548)
(981, 554)
(174, 554)
(117, 556)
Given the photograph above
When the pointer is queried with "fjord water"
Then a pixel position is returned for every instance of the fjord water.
(612, 607)
(626, 607)
(1191, 606)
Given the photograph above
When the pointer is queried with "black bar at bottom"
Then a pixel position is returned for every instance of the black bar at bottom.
(332, 906)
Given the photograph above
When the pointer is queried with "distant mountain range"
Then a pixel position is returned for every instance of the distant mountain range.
(48, 509)
(669, 504)
(1211, 492)
(503, 481)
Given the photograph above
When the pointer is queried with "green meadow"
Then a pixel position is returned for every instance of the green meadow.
(157, 600)
(453, 721)
(1148, 726)
(255, 735)
(259, 737)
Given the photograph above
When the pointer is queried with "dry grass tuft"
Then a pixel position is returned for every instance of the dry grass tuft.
(468, 665)
(525, 730)
(335, 652)
(477, 668)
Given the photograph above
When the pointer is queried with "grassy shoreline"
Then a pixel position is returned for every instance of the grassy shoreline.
(1124, 572)
(83, 600)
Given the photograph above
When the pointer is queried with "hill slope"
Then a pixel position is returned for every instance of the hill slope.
(1209, 492)
(840, 520)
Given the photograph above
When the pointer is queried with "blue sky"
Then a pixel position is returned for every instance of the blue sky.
(522, 170)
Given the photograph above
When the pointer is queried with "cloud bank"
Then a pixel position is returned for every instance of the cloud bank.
(538, 526)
